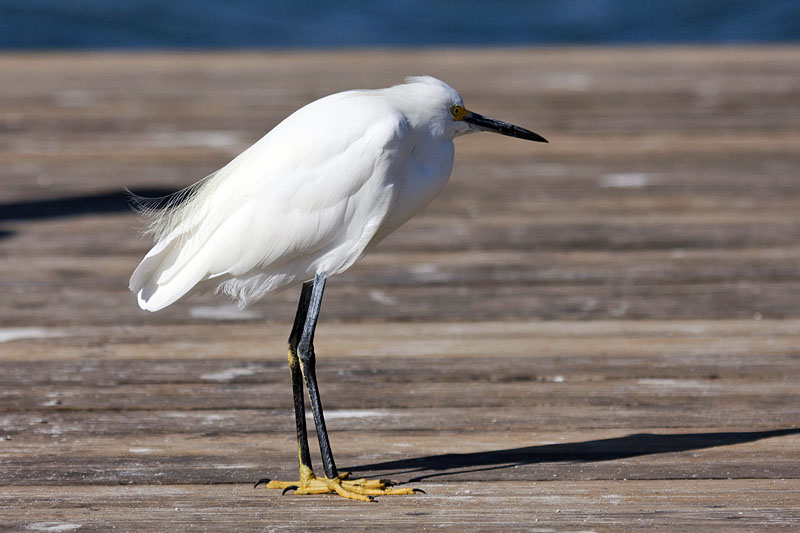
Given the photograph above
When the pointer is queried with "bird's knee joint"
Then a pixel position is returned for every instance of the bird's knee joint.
(305, 351)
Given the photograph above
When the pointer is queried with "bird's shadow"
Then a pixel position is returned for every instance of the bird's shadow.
(91, 204)
(589, 451)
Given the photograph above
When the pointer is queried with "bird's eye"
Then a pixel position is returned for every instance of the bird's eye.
(457, 111)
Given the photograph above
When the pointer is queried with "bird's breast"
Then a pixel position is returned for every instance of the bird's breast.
(420, 179)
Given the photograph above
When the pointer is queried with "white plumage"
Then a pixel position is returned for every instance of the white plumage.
(311, 196)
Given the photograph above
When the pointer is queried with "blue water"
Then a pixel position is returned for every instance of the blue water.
(148, 24)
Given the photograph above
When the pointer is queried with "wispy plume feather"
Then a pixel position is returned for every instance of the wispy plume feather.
(164, 214)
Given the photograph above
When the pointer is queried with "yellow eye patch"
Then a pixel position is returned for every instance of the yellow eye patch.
(459, 112)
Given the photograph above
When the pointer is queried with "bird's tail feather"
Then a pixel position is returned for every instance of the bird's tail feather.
(166, 274)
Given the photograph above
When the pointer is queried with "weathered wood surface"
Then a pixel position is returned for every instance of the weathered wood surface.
(602, 333)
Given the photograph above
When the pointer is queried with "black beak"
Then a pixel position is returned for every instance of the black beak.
(503, 128)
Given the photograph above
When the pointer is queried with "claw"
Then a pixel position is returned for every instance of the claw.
(419, 490)
(263, 480)
(290, 487)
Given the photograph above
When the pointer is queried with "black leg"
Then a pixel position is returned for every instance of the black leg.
(302, 368)
(307, 361)
(295, 371)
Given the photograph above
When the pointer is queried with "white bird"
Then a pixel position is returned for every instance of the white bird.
(303, 203)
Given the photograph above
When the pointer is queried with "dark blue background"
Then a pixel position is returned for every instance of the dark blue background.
(37, 24)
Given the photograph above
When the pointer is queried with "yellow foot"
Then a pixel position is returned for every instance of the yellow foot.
(362, 489)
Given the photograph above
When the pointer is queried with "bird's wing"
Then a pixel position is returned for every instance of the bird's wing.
(310, 194)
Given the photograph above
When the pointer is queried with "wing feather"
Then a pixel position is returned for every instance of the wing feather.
(307, 196)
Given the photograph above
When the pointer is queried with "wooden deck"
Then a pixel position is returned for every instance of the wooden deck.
(599, 334)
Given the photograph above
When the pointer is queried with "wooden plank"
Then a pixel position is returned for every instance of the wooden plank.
(732, 505)
(425, 394)
(466, 302)
(418, 456)
(629, 416)
(249, 339)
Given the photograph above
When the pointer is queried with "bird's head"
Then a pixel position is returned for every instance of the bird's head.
(443, 108)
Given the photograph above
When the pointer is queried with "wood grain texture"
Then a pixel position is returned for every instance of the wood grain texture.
(599, 334)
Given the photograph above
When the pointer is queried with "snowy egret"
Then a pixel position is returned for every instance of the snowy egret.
(302, 204)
